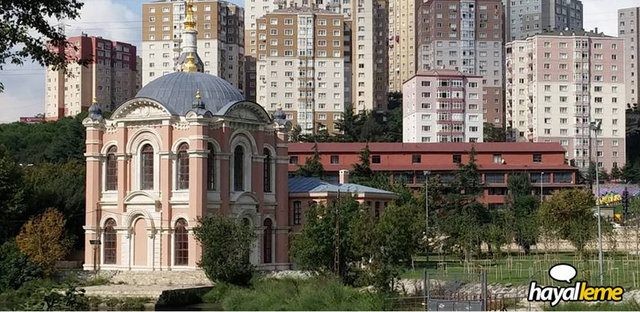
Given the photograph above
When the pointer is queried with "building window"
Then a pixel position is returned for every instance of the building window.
(266, 247)
(335, 159)
(110, 242)
(211, 168)
(497, 158)
(183, 167)
(181, 243)
(457, 158)
(297, 212)
(267, 170)
(238, 168)
(562, 177)
(494, 177)
(112, 170)
(537, 157)
(293, 160)
(375, 159)
(146, 160)
(415, 158)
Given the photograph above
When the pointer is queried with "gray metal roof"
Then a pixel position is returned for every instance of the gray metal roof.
(315, 185)
(176, 91)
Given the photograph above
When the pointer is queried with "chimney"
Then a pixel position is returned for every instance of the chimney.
(596, 30)
(343, 176)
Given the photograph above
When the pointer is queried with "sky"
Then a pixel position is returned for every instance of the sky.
(121, 20)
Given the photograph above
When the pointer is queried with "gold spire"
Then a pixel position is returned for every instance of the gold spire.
(190, 64)
(198, 97)
(189, 20)
(94, 101)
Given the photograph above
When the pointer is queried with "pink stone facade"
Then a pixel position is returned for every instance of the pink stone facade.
(146, 217)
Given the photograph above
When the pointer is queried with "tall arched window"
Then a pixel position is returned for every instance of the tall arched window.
(183, 167)
(238, 168)
(111, 174)
(146, 161)
(266, 245)
(211, 168)
(181, 241)
(267, 170)
(110, 242)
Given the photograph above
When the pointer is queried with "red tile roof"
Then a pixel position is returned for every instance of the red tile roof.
(489, 147)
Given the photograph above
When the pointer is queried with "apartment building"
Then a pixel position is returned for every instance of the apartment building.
(558, 83)
(370, 55)
(111, 78)
(300, 66)
(628, 22)
(465, 35)
(402, 42)
(220, 38)
(442, 106)
(255, 9)
(524, 18)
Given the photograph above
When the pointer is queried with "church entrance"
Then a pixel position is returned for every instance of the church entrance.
(140, 242)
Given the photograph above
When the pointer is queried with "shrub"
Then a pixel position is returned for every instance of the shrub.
(15, 267)
(320, 293)
(226, 246)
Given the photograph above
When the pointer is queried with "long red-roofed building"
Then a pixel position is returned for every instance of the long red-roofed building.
(408, 161)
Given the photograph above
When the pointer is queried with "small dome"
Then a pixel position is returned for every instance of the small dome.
(95, 112)
(175, 91)
(279, 114)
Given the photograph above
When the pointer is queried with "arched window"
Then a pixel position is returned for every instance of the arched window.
(146, 161)
(267, 170)
(183, 167)
(211, 168)
(111, 176)
(110, 242)
(266, 246)
(238, 168)
(181, 241)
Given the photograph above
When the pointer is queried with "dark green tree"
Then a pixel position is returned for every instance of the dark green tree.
(348, 125)
(226, 246)
(631, 172)
(312, 166)
(12, 197)
(616, 174)
(362, 173)
(295, 133)
(15, 267)
(523, 208)
(493, 133)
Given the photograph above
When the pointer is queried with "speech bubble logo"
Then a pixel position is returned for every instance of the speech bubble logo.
(563, 272)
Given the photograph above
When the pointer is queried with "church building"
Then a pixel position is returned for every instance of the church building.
(188, 145)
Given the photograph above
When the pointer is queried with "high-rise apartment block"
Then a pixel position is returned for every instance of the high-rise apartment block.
(370, 55)
(111, 77)
(220, 38)
(558, 84)
(442, 106)
(524, 18)
(465, 35)
(255, 9)
(300, 65)
(628, 22)
(402, 42)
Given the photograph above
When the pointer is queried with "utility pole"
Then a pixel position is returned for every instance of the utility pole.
(426, 212)
(541, 187)
(596, 127)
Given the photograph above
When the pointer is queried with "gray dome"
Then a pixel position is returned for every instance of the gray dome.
(176, 91)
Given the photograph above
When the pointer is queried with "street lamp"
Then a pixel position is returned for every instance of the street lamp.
(596, 127)
(426, 210)
(541, 190)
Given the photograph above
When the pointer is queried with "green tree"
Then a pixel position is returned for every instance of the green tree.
(12, 199)
(348, 125)
(569, 215)
(295, 133)
(493, 133)
(523, 207)
(312, 166)
(26, 32)
(631, 172)
(43, 239)
(498, 231)
(15, 267)
(616, 173)
(226, 246)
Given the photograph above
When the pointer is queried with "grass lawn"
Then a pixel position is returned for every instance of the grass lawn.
(518, 269)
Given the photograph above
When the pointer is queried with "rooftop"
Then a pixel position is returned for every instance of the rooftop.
(391, 147)
(315, 185)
